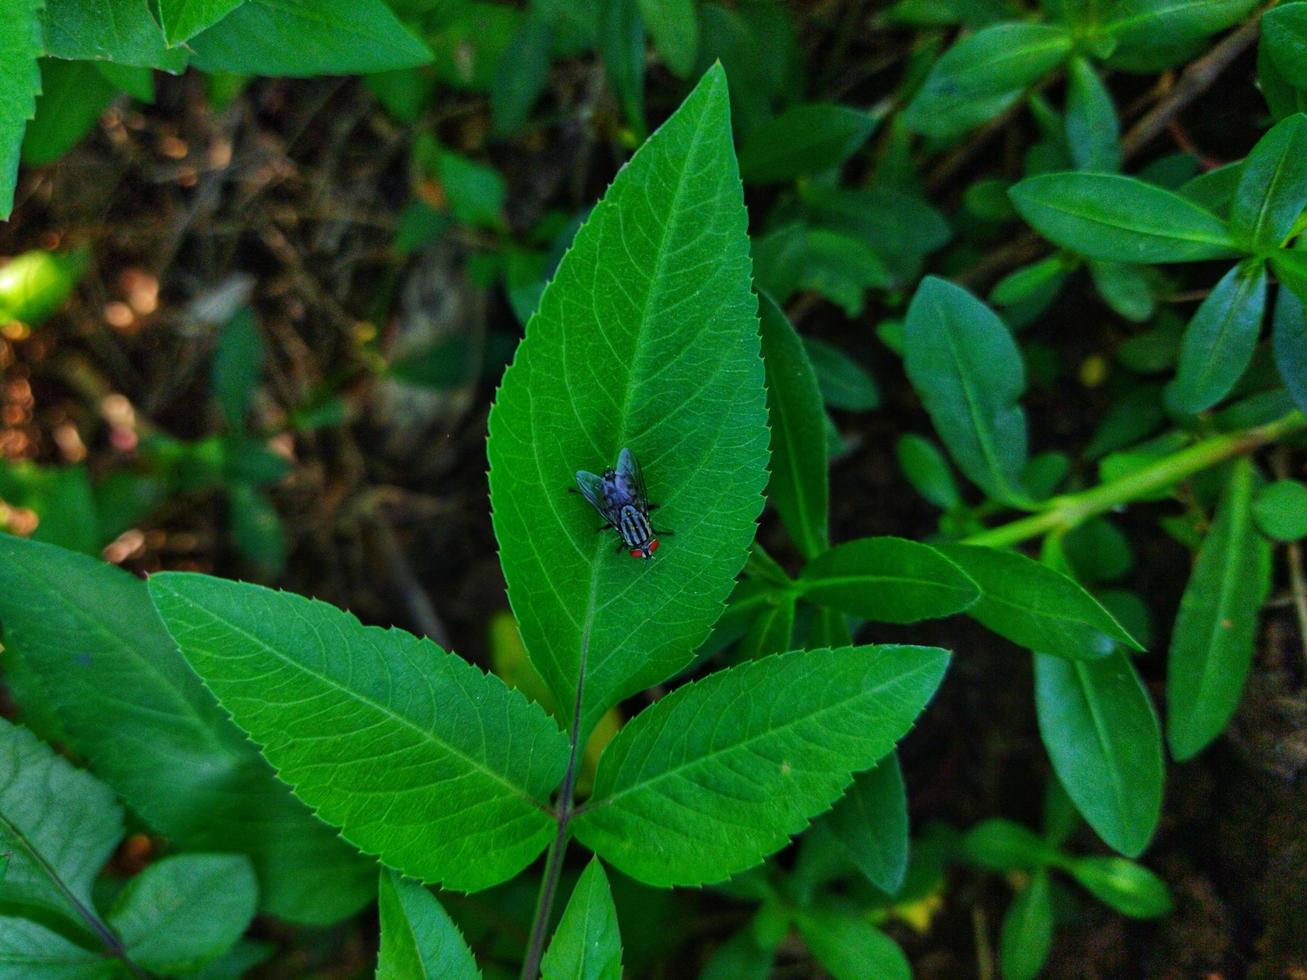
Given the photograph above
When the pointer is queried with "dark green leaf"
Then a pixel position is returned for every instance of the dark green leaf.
(1214, 189)
(20, 83)
(1029, 283)
(772, 629)
(1098, 551)
(1281, 510)
(871, 823)
(136, 81)
(1128, 887)
(123, 31)
(463, 794)
(965, 367)
(741, 957)
(1124, 288)
(1120, 219)
(928, 471)
(1027, 934)
(1272, 190)
(1289, 341)
(183, 19)
(621, 47)
(887, 580)
(900, 226)
(1149, 35)
(62, 499)
(1212, 643)
(838, 266)
(1001, 845)
(586, 944)
(521, 77)
(1219, 342)
(843, 382)
(256, 528)
(799, 485)
(238, 366)
(419, 941)
(1036, 607)
(808, 721)
(851, 948)
(674, 27)
(73, 94)
(1290, 266)
(30, 951)
(803, 140)
(1092, 129)
(1284, 34)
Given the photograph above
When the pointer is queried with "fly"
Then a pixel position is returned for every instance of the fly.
(621, 500)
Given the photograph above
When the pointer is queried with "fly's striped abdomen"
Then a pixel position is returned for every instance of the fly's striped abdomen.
(634, 527)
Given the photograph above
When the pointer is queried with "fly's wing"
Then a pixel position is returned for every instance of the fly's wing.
(592, 489)
(628, 471)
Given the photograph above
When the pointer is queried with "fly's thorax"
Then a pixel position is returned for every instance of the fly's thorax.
(634, 527)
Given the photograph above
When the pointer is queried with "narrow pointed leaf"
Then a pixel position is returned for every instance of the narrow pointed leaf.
(1092, 128)
(871, 823)
(419, 758)
(647, 339)
(30, 951)
(183, 19)
(1289, 342)
(674, 27)
(851, 948)
(1037, 607)
(1219, 341)
(799, 483)
(1128, 887)
(1212, 643)
(1027, 934)
(419, 941)
(965, 367)
(720, 773)
(20, 82)
(1103, 737)
(1272, 189)
(803, 140)
(1120, 219)
(586, 945)
(888, 580)
(1285, 37)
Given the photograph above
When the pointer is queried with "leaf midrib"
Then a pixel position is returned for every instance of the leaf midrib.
(1108, 748)
(1188, 235)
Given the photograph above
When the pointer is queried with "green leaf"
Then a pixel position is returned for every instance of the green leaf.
(1129, 888)
(1219, 341)
(1103, 738)
(419, 758)
(58, 825)
(805, 139)
(1125, 288)
(29, 951)
(73, 94)
(1289, 342)
(1284, 35)
(1001, 845)
(621, 48)
(799, 483)
(1150, 35)
(1280, 510)
(586, 944)
(1290, 266)
(983, 68)
(136, 81)
(674, 27)
(61, 497)
(521, 77)
(928, 471)
(1216, 627)
(183, 19)
(870, 822)
(256, 528)
(887, 580)
(645, 338)
(741, 957)
(419, 941)
(1272, 189)
(1031, 283)
(899, 226)
(851, 948)
(122, 31)
(1027, 934)
(238, 366)
(772, 629)
(1120, 219)
(965, 367)
(843, 382)
(688, 793)
(308, 37)
(1037, 607)
(185, 911)
(836, 265)
(1092, 129)
(20, 83)
(475, 192)
(147, 726)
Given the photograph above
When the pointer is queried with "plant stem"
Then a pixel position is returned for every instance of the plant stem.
(1067, 512)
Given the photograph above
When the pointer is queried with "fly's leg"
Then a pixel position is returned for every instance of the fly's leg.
(621, 546)
(605, 527)
(669, 534)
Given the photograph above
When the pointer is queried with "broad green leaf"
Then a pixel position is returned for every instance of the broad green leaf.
(419, 758)
(928, 471)
(646, 338)
(146, 726)
(238, 366)
(851, 948)
(1272, 189)
(799, 486)
(887, 580)
(674, 27)
(256, 529)
(1092, 128)
(870, 822)
(1212, 643)
(1290, 266)
(586, 944)
(621, 48)
(1289, 342)
(419, 941)
(73, 94)
(1149, 35)
(836, 265)
(1027, 934)
(803, 140)
(843, 382)
(984, 67)
(900, 226)
(689, 793)
(1128, 887)
(185, 911)
(58, 825)
(1125, 288)
(20, 82)
(1037, 607)
(1103, 737)
(1001, 845)
(1214, 189)
(1280, 510)
(61, 497)
(134, 80)
(965, 367)
(1120, 219)
(308, 37)
(1284, 35)
(1031, 283)
(183, 19)
(1219, 341)
(772, 629)
(122, 31)
(30, 951)
(522, 76)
